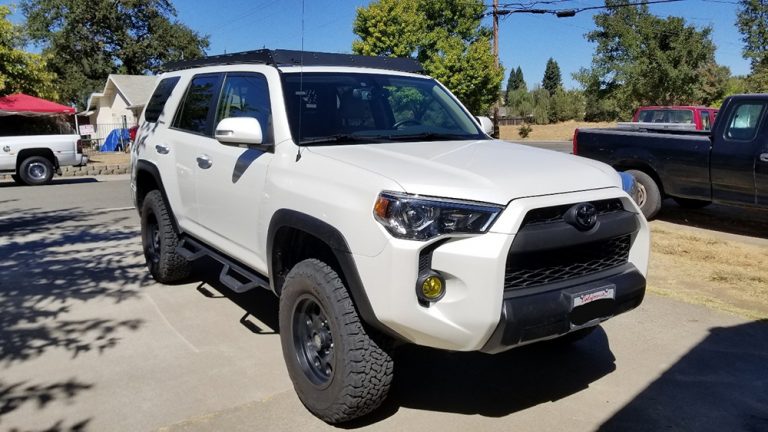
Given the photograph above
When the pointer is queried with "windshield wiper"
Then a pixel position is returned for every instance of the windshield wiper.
(430, 135)
(340, 138)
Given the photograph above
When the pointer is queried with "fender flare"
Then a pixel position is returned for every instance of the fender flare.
(338, 244)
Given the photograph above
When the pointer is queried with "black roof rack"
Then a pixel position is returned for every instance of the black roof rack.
(280, 57)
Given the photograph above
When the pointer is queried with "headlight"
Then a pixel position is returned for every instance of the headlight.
(420, 218)
(629, 185)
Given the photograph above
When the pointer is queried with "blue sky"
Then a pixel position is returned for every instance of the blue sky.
(526, 40)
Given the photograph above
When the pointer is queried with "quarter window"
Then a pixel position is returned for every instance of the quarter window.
(744, 120)
(159, 97)
(194, 112)
(247, 95)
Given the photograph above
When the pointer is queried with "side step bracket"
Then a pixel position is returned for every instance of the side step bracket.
(234, 276)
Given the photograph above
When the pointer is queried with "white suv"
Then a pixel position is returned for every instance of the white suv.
(377, 208)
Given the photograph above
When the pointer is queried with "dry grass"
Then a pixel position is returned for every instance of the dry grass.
(109, 158)
(553, 132)
(727, 275)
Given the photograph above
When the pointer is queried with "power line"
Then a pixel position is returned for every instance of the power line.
(564, 13)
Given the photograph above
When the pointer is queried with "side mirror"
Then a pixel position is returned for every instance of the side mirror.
(239, 130)
(485, 124)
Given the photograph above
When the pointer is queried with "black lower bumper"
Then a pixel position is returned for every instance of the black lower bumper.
(555, 311)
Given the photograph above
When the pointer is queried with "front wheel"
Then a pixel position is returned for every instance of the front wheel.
(338, 371)
(649, 195)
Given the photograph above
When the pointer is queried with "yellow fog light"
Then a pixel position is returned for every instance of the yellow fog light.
(431, 288)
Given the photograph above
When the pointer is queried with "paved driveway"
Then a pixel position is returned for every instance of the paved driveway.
(89, 342)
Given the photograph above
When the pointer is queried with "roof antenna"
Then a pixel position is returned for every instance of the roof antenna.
(301, 81)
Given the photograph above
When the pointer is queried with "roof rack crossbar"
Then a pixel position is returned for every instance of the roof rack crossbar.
(279, 58)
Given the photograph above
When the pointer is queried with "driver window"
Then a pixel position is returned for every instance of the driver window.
(744, 121)
(247, 95)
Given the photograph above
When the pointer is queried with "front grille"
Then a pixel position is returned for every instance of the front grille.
(555, 213)
(530, 269)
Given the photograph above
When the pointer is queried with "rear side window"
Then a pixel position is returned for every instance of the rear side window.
(744, 120)
(705, 123)
(194, 112)
(159, 97)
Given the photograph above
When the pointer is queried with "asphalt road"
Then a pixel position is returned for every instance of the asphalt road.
(89, 342)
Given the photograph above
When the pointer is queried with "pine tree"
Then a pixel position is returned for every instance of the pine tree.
(552, 80)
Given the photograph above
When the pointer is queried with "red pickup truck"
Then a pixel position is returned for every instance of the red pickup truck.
(702, 117)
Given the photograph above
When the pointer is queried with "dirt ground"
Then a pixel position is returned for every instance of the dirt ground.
(109, 158)
(553, 132)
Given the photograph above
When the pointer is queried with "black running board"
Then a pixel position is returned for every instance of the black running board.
(235, 277)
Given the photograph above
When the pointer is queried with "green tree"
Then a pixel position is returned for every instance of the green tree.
(515, 82)
(641, 59)
(444, 35)
(552, 80)
(86, 40)
(566, 105)
(20, 71)
(752, 22)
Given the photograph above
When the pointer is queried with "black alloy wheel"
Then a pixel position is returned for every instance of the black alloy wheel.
(313, 340)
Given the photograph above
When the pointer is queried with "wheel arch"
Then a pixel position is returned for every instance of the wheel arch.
(294, 236)
(40, 151)
(641, 166)
(147, 179)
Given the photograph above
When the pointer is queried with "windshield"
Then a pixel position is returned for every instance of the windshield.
(346, 108)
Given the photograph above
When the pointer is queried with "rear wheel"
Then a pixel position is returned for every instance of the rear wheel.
(36, 170)
(18, 180)
(339, 372)
(649, 195)
(691, 203)
(159, 240)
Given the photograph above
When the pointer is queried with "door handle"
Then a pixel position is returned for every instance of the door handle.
(162, 149)
(204, 162)
(764, 157)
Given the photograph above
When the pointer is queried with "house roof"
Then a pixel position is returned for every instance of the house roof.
(21, 104)
(135, 89)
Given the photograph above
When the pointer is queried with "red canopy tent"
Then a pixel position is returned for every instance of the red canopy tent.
(21, 104)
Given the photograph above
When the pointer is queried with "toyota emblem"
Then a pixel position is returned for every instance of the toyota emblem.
(582, 216)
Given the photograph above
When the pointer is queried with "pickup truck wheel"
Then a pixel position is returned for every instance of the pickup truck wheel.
(159, 240)
(649, 196)
(36, 170)
(339, 372)
(691, 203)
(18, 180)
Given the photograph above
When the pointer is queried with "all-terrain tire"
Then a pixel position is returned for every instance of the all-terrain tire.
(36, 170)
(650, 195)
(159, 240)
(338, 371)
(691, 203)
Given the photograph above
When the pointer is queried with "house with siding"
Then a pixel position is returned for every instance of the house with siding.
(119, 104)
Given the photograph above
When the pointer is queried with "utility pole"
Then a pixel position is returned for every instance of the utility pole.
(496, 58)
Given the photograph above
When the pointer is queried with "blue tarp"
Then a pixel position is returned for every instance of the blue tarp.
(116, 140)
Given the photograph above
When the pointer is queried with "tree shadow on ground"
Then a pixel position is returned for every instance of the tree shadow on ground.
(720, 385)
(733, 220)
(50, 263)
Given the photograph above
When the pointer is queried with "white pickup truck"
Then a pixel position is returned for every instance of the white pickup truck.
(33, 159)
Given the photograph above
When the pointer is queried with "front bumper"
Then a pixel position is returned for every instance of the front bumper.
(549, 314)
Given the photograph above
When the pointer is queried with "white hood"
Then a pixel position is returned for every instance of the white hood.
(484, 170)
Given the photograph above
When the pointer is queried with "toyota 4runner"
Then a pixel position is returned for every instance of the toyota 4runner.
(367, 198)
